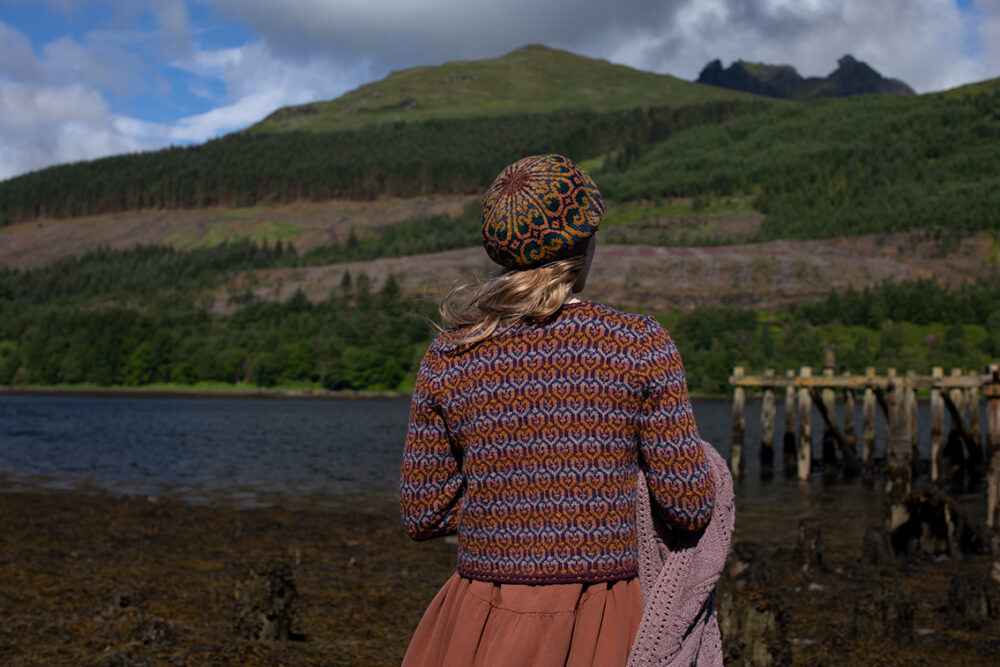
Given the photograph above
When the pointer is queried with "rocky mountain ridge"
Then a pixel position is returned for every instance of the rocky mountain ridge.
(852, 77)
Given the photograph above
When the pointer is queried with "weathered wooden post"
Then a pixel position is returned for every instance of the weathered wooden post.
(767, 424)
(739, 425)
(937, 422)
(805, 426)
(911, 412)
(972, 400)
(992, 394)
(956, 395)
(898, 474)
(829, 398)
(788, 455)
(850, 433)
(868, 418)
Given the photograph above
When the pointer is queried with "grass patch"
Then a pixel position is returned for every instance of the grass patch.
(227, 230)
(531, 79)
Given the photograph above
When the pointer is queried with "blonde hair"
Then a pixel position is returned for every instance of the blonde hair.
(510, 297)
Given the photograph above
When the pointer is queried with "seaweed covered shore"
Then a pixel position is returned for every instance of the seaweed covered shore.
(97, 579)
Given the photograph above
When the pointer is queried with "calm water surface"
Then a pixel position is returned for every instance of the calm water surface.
(294, 452)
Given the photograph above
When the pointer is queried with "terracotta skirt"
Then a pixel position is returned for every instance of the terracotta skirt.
(478, 623)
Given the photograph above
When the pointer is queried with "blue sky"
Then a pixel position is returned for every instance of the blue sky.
(85, 78)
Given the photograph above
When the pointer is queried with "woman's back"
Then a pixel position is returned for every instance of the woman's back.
(531, 418)
(548, 424)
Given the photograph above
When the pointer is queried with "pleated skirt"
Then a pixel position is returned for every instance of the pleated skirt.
(481, 624)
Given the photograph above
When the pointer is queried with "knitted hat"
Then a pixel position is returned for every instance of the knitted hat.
(539, 209)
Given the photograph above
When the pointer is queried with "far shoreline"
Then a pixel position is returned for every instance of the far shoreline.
(196, 392)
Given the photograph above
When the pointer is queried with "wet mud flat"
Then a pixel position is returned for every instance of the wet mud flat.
(97, 579)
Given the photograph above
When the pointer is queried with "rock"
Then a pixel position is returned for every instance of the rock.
(748, 566)
(754, 628)
(886, 614)
(153, 631)
(119, 659)
(112, 606)
(809, 550)
(974, 597)
(936, 527)
(876, 548)
(265, 601)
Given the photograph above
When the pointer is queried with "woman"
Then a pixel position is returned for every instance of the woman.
(532, 414)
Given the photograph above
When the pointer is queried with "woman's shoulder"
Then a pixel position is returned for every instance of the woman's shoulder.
(614, 318)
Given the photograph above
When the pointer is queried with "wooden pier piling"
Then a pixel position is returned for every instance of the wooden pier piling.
(991, 392)
(850, 432)
(896, 394)
(972, 400)
(868, 418)
(898, 473)
(739, 425)
(911, 411)
(937, 422)
(831, 437)
(805, 427)
(788, 450)
(767, 424)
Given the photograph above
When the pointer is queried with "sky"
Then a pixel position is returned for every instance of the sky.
(81, 79)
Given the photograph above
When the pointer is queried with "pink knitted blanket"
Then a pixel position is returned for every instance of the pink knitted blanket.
(678, 572)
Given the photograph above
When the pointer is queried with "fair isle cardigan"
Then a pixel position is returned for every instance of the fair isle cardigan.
(528, 444)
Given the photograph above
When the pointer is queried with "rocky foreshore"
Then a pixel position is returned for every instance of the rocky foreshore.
(93, 579)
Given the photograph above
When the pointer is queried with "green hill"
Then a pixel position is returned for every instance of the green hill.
(837, 167)
(818, 168)
(532, 79)
(987, 86)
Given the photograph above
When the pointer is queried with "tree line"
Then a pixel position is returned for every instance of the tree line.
(869, 164)
(399, 159)
(134, 317)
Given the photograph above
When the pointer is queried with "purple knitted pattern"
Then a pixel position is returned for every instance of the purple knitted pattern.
(529, 443)
(678, 573)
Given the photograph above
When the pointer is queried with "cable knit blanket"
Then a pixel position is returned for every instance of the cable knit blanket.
(678, 572)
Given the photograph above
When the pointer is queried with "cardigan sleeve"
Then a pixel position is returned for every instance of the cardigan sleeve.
(431, 479)
(677, 471)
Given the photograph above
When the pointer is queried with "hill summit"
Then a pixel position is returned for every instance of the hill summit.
(531, 79)
(852, 77)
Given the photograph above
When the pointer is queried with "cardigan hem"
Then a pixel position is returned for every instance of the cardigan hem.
(561, 578)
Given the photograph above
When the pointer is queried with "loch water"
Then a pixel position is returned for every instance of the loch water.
(321, 453)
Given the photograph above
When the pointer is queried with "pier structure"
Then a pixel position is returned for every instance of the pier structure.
(958, 394)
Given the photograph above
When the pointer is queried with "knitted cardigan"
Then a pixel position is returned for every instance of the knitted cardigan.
(677, 575)
(528, 445)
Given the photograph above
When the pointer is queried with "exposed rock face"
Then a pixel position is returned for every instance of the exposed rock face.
(852, 77)
(265, 601)
(974, 598)
(754, 625)
(885, 614)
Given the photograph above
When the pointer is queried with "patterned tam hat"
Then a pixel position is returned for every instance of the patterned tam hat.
(539, 209)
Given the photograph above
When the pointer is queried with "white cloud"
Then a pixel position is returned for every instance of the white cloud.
(257, 82)
(918, 41)
(55, 108)
(17, 58)
(43, 124)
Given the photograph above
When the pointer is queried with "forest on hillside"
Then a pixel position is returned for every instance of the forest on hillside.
(398, 159)
(816, 169)
(837, 167)
(139, 316)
